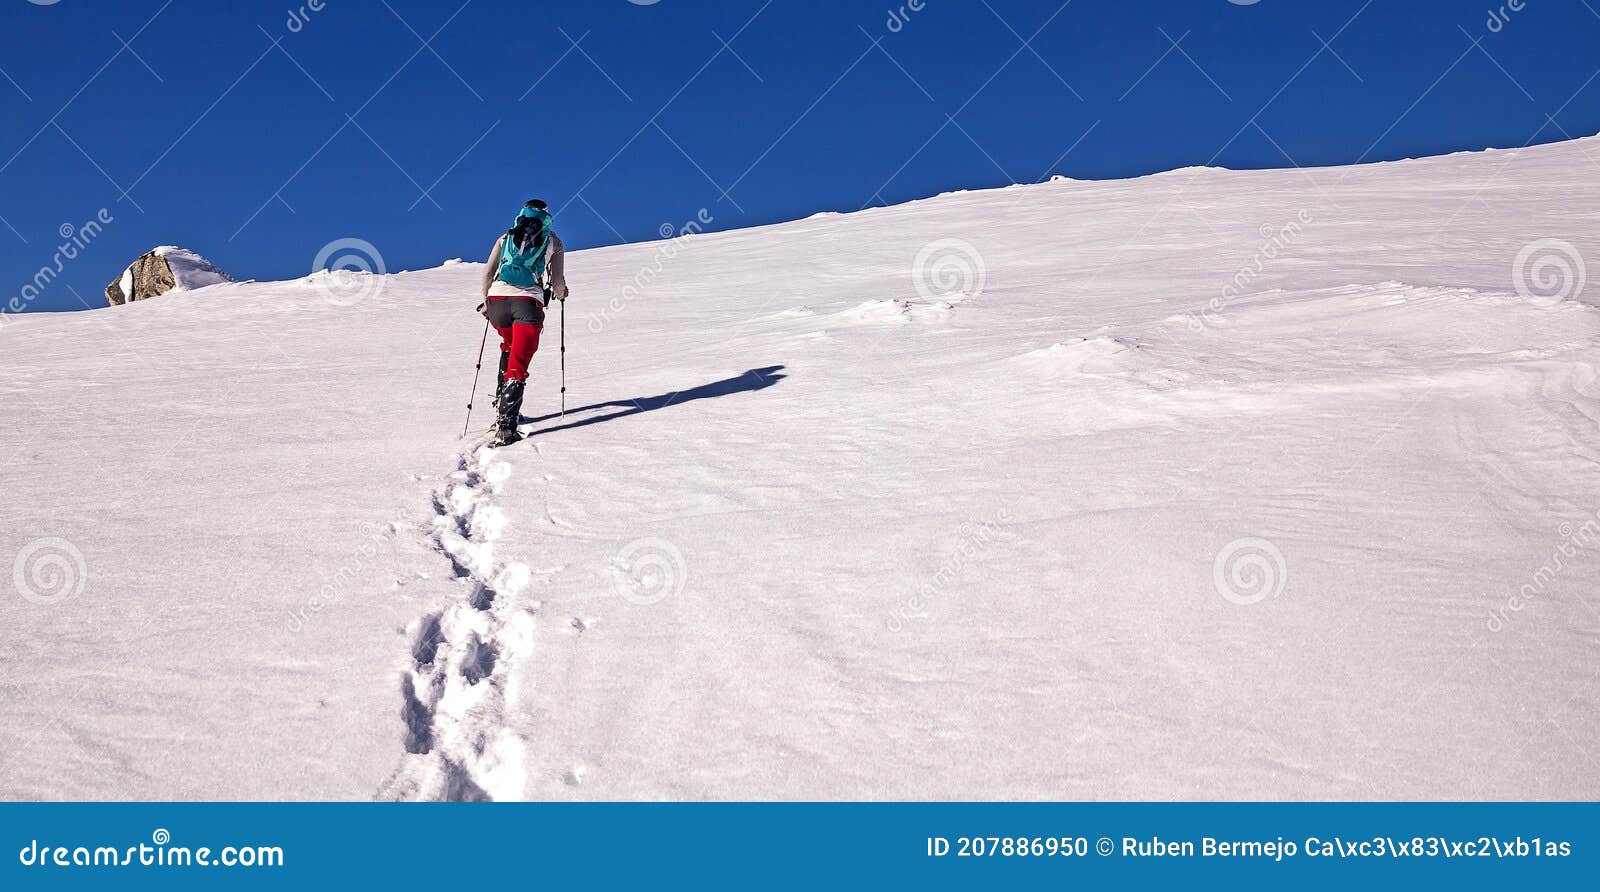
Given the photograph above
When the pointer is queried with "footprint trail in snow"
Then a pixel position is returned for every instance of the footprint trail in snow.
(459, 686)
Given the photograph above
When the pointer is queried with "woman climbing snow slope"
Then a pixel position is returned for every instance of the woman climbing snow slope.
(525, 270)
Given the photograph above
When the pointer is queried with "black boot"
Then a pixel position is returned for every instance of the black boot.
(510, 411)
(500, 382)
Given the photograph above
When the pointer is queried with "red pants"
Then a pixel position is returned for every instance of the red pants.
(519, 321)
(519, 341)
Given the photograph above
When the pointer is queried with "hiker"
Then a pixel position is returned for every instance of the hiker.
(516, 290)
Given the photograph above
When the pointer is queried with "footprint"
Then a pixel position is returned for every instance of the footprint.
(478, 663)
(425, 642)
(459, 785)
(418, 718)
(469, 754)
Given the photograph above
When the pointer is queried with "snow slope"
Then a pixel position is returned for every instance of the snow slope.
(1272, 484)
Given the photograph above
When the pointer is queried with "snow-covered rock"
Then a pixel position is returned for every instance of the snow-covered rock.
(167, 268)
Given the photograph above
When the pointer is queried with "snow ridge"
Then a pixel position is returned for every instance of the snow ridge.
(190, 270)
(457, 690)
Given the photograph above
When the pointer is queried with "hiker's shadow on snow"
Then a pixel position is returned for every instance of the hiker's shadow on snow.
(745, 382)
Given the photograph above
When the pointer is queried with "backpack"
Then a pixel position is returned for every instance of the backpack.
(523, 252)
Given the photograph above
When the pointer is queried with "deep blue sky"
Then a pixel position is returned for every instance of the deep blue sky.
(234, 148)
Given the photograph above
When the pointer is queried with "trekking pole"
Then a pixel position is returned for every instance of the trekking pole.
(476, 371)
(563, 359)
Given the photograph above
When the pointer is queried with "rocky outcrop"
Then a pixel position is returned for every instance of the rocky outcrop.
(147, 277)
(167, 268)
